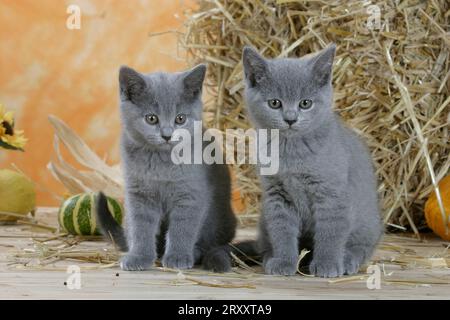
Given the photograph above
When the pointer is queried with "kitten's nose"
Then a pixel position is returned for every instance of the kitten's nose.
(290, 122)
(166, 133)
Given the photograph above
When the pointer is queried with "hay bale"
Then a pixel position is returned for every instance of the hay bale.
(391, 83)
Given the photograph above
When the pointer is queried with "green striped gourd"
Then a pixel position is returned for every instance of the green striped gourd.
(77, 214)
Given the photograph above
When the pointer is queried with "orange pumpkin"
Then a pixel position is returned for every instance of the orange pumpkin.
(433, 214)
(237, 200)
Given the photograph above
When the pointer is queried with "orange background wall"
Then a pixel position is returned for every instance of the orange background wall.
(46, 68)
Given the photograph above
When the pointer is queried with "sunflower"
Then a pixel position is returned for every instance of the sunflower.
(10, 138)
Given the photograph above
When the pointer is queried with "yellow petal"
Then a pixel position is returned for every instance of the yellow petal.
(9, 117)
(5, 138)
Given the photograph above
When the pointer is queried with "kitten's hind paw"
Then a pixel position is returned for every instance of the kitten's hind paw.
(281, 266)
(178, 261)
(133, 262)
(326, 269)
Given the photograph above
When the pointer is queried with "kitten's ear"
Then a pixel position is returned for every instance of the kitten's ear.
(255, 66)
(322, 65)
(131, 82)
(193, 80)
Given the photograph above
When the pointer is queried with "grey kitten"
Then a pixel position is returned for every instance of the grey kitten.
(324, 194)
(179, 212)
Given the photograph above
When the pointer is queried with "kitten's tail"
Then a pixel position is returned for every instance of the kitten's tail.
(247, 251)
(108, 226)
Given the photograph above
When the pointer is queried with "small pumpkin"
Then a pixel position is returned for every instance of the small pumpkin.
(77, 214)
(433, 214)
(237, 199)
(17, 194)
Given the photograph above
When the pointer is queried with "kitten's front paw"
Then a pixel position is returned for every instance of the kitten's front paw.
(281, 266)
(351, 265)
(134, 262)
(178, 261)
(326, 268)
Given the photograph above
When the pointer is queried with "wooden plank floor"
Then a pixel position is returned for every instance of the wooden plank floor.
(410, 269)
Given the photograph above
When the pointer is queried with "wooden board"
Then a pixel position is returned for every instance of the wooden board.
(422, 276)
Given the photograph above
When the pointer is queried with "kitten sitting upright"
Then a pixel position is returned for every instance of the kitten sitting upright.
(324, 194)
(179, 212)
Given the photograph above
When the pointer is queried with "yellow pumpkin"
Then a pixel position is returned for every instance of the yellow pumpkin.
(433, 214)
(17, 194)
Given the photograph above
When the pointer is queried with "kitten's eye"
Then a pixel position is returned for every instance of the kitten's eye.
(180, 119)
(151, 119)
(305, 104)
(274, 104)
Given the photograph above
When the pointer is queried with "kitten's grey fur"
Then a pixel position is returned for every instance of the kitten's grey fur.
(324, 195)
(181, 213)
